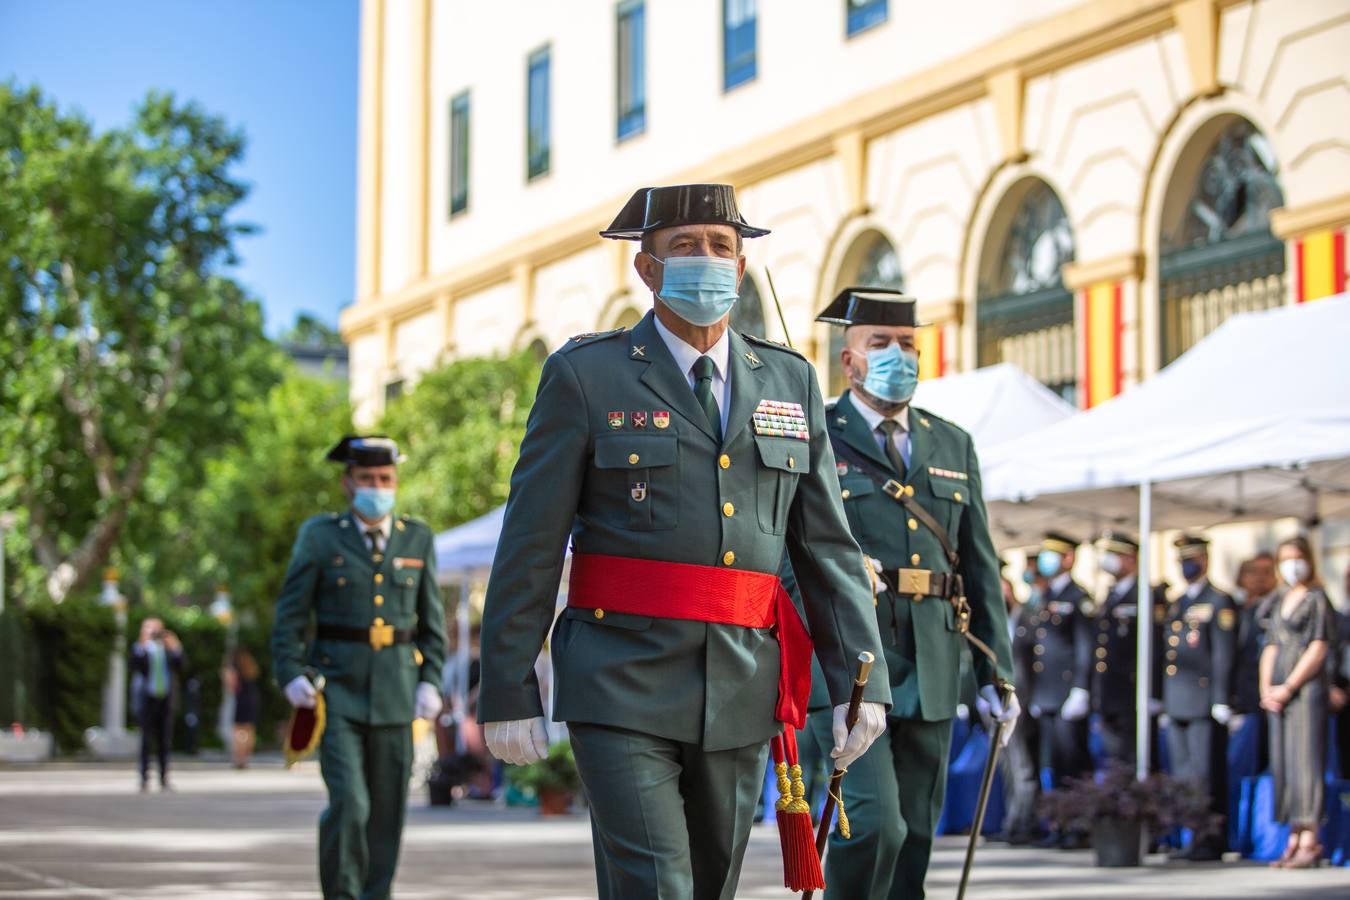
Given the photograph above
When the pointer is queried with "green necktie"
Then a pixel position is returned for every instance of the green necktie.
(703, 375)
(888, 428)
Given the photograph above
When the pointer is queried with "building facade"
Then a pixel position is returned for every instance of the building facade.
(1083, 188)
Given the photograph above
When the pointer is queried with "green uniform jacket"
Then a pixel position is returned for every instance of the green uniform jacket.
(334, 578)
(588, 471)
(922, 643)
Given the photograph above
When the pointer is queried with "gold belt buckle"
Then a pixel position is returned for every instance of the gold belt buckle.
(381, 635)
(915, 581)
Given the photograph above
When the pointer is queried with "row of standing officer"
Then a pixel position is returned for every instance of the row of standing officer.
(1075, 657)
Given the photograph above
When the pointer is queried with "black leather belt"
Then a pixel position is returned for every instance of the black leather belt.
(377, 635)
(923, 583)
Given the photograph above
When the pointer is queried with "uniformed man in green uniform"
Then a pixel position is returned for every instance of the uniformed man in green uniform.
(680, 458)
(910, 483)
(367, 578)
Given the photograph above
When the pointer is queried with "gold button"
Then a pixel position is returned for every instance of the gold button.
(728, 510)
(845, 493)
(1171, 670)
(1040, 632)
(378, 558)
(1176, 626)
(1174, 640)
(724, 461)
(379, 577)
(792, 463)
(1102, 639)
(1101, 667)
(341, 581)
(728, 558)
(1101, 653)
(957, 495)
(379, 601)
(1055, 619)
(1040, 649)
(1171, 654)
(914, 560)
(599, 613)
(913, 524)
(909, 490)
(633, 459)
(1038, 666)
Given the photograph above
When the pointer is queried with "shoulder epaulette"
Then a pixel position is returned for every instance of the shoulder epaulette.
(928, 419)
(406, 521)
(765, 342)
(590, 337)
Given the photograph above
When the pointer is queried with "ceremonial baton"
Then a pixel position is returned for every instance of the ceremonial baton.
(986, 783)
(783, 321)
(865, 661)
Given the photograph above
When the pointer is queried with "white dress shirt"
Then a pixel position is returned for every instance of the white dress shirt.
(1195, 587)
(1124, 586)
(385, 526)
(686, 355)
(874, 418)
(1060, 582)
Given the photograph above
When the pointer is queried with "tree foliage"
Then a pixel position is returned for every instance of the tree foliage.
(461, 429)
(123, 334)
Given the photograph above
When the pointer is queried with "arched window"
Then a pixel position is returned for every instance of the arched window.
(1218, 255)
(1024, 313)
(539, 350)
(747, 316)
(870, 262)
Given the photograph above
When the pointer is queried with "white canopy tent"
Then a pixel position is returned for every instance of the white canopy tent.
(993, 403)
(1252, 423)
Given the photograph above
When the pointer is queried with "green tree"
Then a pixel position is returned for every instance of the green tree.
(309, 331)
(461, 429)
(123, 334)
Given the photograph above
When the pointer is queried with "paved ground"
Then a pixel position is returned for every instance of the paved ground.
(83, 831)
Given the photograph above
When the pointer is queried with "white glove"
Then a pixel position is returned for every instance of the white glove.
(877, 584)
(1164, 720)
(1006, 716)
(1155, 707)
(1035, 711)
(1075, 708)
(428, 701)
(519, 741)
(300, 693)
(962, 712)
(1220, 713)
(849, 745)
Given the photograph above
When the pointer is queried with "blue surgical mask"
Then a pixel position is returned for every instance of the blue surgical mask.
(373, 503)
(699, 289)
(1048, 563)
(1191, 569)
(892, 374)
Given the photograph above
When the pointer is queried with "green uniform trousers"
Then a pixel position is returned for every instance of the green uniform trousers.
(669, 820)
(893, 796)
(366, 769)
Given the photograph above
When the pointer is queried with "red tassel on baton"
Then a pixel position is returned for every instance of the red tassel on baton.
(801, 865)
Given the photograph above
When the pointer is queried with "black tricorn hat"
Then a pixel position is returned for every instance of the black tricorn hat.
(651, 208)
(365, 450)
(871, 306)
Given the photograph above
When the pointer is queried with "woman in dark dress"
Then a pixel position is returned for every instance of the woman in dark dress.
(243, 679)
(1294, 691)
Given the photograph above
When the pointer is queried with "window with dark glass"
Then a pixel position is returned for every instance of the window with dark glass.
(738, 42)
(864, 14)
(537, 138)
(459, 153)
(1219, 255)
(631, 65)
(1023, 311)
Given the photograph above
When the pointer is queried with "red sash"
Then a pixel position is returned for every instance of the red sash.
(667, 590)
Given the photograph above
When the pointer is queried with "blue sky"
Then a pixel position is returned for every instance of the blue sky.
(283, 70)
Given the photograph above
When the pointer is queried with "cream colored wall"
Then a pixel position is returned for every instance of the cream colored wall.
(417, 345)
(1105, 128)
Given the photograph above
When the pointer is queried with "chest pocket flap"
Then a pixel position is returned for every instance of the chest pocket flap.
(950, 489)
(635, 451)
(851, 487)
(786, 454)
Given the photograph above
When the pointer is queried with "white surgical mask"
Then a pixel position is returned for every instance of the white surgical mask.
(1293, 571)
(1111, 563)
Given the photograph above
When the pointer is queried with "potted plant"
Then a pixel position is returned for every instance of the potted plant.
(553, 781)
(1118, 809)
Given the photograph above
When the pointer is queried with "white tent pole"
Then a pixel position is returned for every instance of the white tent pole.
(1143, 619)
